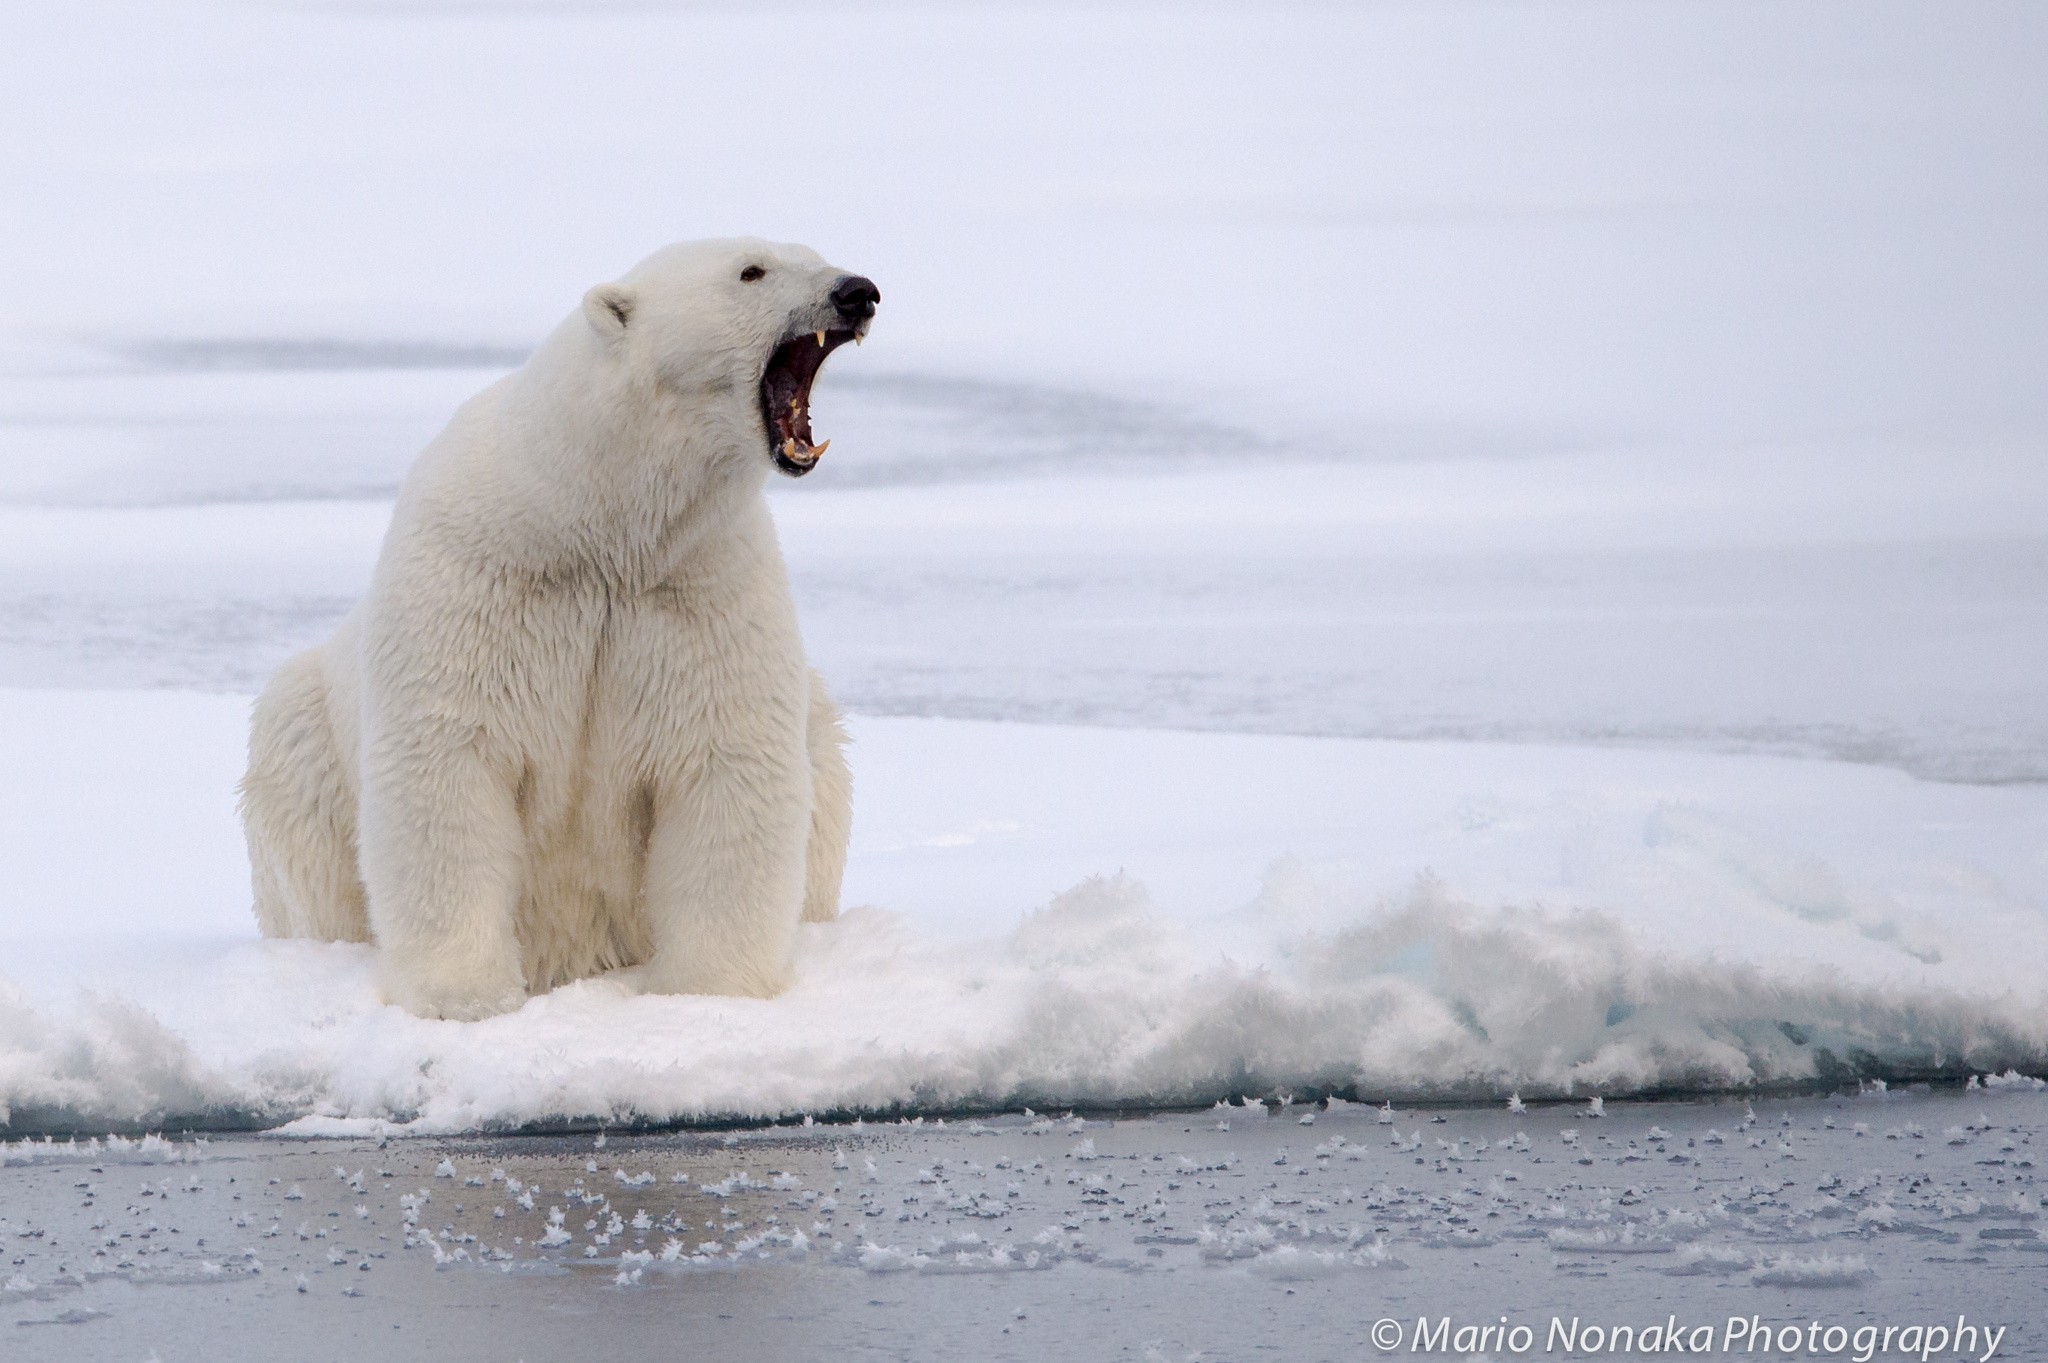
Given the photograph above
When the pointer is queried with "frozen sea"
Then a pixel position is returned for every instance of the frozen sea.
(1236, 1232)
(1382, 551)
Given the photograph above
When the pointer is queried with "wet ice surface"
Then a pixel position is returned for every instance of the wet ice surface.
(1211, 1233)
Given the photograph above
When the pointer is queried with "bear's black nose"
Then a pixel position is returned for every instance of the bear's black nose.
(855, 296)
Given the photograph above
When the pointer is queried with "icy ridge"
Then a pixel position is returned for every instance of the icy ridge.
(1098, 999)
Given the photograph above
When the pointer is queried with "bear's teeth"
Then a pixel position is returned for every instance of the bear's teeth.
(818, 450)
(820, 334)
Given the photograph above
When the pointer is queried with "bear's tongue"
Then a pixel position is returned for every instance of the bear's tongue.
(786, 397)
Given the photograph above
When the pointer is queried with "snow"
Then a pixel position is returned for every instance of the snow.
(1548, 374)
(1579, 470)
(1711, 214)
(1196, 915)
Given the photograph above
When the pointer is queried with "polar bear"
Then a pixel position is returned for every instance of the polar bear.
(571, 727)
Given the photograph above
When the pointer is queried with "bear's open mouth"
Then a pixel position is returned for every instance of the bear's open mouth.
(786, 397)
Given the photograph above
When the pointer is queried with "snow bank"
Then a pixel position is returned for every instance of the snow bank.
(1096, 999)
(1450, 920)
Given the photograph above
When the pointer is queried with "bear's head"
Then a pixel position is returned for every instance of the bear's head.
(740, 319)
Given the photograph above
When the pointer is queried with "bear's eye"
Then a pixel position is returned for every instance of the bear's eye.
(751, 273)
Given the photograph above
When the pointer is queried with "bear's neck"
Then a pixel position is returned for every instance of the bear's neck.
(627, 479)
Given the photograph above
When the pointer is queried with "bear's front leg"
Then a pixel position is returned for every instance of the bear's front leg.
(724, 885)
(443, 860)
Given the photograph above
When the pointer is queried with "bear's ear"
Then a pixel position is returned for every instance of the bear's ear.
(608, 307)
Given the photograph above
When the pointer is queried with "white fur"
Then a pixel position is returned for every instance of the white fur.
(571, 727)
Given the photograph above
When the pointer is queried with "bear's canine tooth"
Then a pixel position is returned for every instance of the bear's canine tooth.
(820, 334)
(818, 450)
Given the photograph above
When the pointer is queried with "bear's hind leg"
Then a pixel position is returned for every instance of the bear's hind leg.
(299, 813)
(831, 807)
